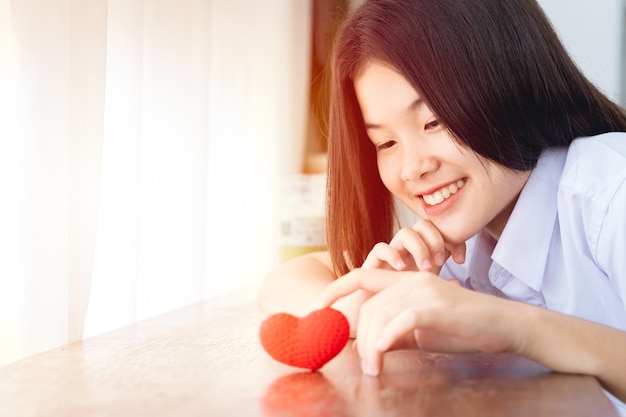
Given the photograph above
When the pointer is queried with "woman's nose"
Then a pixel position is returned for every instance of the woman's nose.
(417, 164)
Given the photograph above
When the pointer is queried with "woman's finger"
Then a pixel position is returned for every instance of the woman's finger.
(375, 315)
(370, 280)
(397, 328)
(457, 251)
(416, 252)
(431, 236)
(384, 256)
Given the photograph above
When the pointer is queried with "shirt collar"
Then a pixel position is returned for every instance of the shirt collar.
(524, 245)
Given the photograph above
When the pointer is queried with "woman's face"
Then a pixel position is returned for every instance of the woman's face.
(421, 164)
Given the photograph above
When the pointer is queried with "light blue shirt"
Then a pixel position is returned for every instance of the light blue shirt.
(564, 246)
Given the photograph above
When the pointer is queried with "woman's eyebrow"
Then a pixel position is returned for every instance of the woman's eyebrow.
(417, 103)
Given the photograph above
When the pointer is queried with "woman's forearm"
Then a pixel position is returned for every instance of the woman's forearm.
(294, 285)
(572, 345)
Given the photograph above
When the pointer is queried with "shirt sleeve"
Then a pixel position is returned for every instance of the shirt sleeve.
(611, 249)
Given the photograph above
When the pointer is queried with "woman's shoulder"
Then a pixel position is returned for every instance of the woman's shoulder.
(611, 144)
(595, 163)
(592, 188)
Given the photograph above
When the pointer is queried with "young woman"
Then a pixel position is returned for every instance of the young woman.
(473, 116)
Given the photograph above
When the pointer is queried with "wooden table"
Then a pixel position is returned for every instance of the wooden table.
(205, 360)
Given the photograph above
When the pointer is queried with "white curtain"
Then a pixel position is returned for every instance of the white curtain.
(140, 144)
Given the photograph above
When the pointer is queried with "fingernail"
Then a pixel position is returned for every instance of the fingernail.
(369, 369)
(399, 264)
(354, 345)
(439, 259)
(426, 264)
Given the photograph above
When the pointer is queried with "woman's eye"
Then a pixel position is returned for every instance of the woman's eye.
(385, 145)
(431, 125)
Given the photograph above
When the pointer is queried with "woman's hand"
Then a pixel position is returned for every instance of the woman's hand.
(408, 309)
(417, 248)
(420, 310)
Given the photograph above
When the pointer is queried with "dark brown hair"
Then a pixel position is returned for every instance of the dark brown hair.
(493, 72)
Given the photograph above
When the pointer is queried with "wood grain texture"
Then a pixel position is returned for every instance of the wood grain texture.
(206, 360)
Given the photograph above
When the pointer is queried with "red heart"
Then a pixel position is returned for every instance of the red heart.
(308, 342)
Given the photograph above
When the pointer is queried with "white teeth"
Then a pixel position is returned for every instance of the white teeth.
(440, 195)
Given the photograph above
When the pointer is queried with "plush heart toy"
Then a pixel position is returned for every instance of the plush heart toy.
(308, 342)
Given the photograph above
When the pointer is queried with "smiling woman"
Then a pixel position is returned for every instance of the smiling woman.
(140, 146)
(473, 115)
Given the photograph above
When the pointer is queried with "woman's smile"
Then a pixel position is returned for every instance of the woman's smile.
(443, 193)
